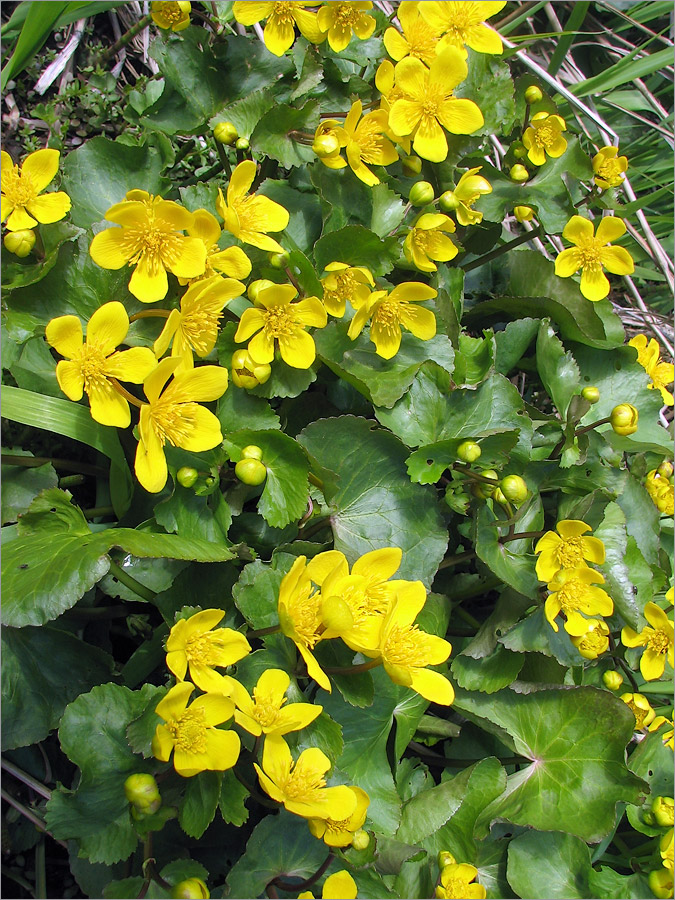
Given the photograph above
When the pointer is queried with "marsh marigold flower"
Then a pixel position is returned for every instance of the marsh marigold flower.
(232, 261)
(266, 712)
(345, 283)
(668, 734)
(573, 592)
(567, 549)
(194, 327)
(426, 241)
(417, 38)
(592, 252)
(470, 187)
(282, 17)
(661, 491)
(22, 206)
(463, 24)
(250, 217)
(661, 373)
(544, 137)
(366, 142)
(596, 640)
(339, 832)
(656, 638)
(609, 167)
(339, 19)
(194, 644)
(173, 14)
(190, 732)
(301, 785)
(90, 364)
(173, 414)
(641, 709)
(276, 318)
(338, 886)
(299, 607)
(389, 310)
(428, 103)
(150, 239)
(457, 881)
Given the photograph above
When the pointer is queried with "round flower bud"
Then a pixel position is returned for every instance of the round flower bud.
(612, 679)
(499, 497)
(448, 201)
(190, 889)
(533, 94)
(326, 145)
(252, 451)
(661, 883)
(225, 133)
(518, 173)
(484, 489)
(468, 451)
(242, 143)
(141, 790)
(250, 471)
(209, 481)
(663, 809)
(412, 165)
(514, 488)
(665, 470)
(186, 476)
(445, 858)
(20, 243)
(421, 193)
(279, 260)
(519, 150)
(523, 213)
(624, 419)
(360, 840)
(255, 287)
(246, 373)
(591, 393)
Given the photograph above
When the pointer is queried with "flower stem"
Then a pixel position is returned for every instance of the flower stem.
(124, 40)
(224, 161)
(456, 559)
(30, 815)
(124, 578)
(9, 459)
(498, 251)
(27, 779)
(317, 482)
(352, 670)
(263, 632)
(308, 882)
(97, 511)
(125, 393)
(151, 314)
(474, 476)
(520, 535)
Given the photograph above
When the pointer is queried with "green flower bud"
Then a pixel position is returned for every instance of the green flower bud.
(20, 243)
(142, 792)
(279, 260)
(448, 201)
(533, 94)
(518, 173)
(468, 451)
(421, 193)
(519, 150)
(360, 840)
(661, 883)
(225, 133)
(252, 451)
(514, 488)
(190, 889)
(484, 489)
(445, 858)
(663, 809)
(523, 213)
(612, 679)
(591, 393)
(242, 143)
(499, 497)
(186, 476)
(326, 145)
(250, 471)
(624, 419)
(665, 470)
(412, 165)
(209, 481)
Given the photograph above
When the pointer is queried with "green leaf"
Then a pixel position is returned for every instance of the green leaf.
(612, 532)
(304, 226)
(490, 85)
(652, 761)
(195, 516)
(284, 497)
(426, 465)
(256, 594)
(357, 246)
(246, 113)
(512, 343)
(142, 730)
(557, 368)
(374, 504)
(534, 633)
(237, 406)
(232, 802)
(343, 197)
(271, 134)
(573, 737)
(43, 670)
(21, 273)
(475, 359)
(36, 29)
(513, 564)
(100, 172)
(323, 733)
(388, 210)
(199, 804)
(489, 673)
(21, 484)
(642, 518)
(93, 736)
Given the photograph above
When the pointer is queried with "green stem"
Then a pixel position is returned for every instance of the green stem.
(30, 815)
(263, 801)
(308, 882)
(224, 160)
(10, 459)
(474, 476)
(26, 779)
(294, 281)
(124, 40)
(352, 670)
(263, 632)
(98, 511)
(40, 871)
(17, 879)
(520, 535)
(317, 525)
(69, 481)
(498, 251)
(125, 393)
(437, 759)
(151, 314)
(124, 578)
(468, 618)
(98, 613)
(594, 192)
(187, 148)
(317, 482)
(456, 559)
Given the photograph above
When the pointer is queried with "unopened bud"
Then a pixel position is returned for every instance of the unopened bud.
(445, 858)
(468, 451)
(483, 488)
(499, 497)
(190, 889)
(612, 679)
(514, 488)
(624, 419)
(186, 476)
(250, 471)
(142, 792)
(665, 470)
(448, 201)
(412, 165)
(519, 150)
(279, 260)
(242, 143)
(360, 840)
(523, 213)
(591, 393)
(20, 243)
(225, 133)
(533, 94)
(252, 451)
(326, 145)
(661, 883)
(255, 287)
(246, 373)
(663, 809)
(421, 193)
(518, 173)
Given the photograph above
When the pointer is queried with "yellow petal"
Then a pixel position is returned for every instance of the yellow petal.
(149, 285)
(201, 385)
(70, 378)
(49, 207)
(232, 261)
(483, 40)
(108, 406)
(65, 335)
(594, 284)
(205, 227)
(162, 743)
(108, 327)
(278, 36)
(460, 116)
(241, 181)
(430, 141)
(42, 166)
(404, 115)
(652, 664)
(617, 260)
(432, 686)
(251, 11)
(150, 463)
(387, 340)
(132, 365)
(578, 229)
(568, 262)
(420, 321)
(311, 311)
(190, 261)
(448, 69)
(107, 249)
(216, 707)
(19, 220)
(297, 350)
(162, 343)
(261, 348)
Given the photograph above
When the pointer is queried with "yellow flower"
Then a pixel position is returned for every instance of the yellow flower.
(456, 881)
(592, 253)
(193, 643)
(668, 736)
(282, 17)
(463, 24)
(276, 318)
(661, 491)
(344, 283)
(469, 188)
(173, 14)
(609, 167)
(429, 103)
(190, 732)
(567, 549)
(385, 83)
(342, 18)
(266, 712)
(544, 136)
(21, 205)
(246, 373)
(299, 608)
(149, 238)
(523, 213)
(573, 592)
(388, 311)
(661, 373)
(426, 241)
(90, 364)
(173, 414)
(232, 261)
(405, 651)
(657, 639)
(596, 640)
(661, 883)
(195, 325)
(641, 709)
(417, 38)
(366, 142)
(329, 139)
(339, 832)
(301, 785)
(338, 886)
(666, 847)
(250, 217)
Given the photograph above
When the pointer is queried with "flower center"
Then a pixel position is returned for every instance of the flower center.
(197, 326)
(18, 188)
(283, 13)
(407, 647)
(153, 245)
(594, 641)
(204, 649)
(305, 615)
(455, 888)
(189, 731)
(279, 322)
(171, 12)
(174, 422)
(658, 641)
(266, 709)
(336, 826)
(421, 41)
(570, 553)
(610, 170)
(346, 15)
(545, 135)
(571, 596)
(92, 365)
(304, 785)
(388, 314)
